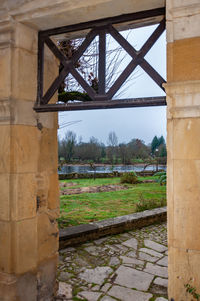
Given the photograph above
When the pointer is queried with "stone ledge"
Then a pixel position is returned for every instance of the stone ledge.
(82, 233)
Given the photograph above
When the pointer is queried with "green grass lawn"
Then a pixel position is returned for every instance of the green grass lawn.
(91, 182)
(87, 207)
(97, 182)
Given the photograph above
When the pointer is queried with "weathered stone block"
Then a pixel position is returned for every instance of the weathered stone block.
(186, 23)
(23, 113)
(46, 279)
(42, 179)
(24, 70)
(47, 235)
(47, 191)
(5, 112)
(26, 287)
(170, 140)
(5, 197)
(24, 242)
(25, 38)
(53, 192)
(190, 147)
(48, 120)
(186, 221)
(23, 196)
(187, 172)
(48, 158)
(5, 249)
(5, 145)
(18, 287)
(7, 287)
(184, 267)
(24, 149)
(5, 74)
(183, 60)
(170, 198)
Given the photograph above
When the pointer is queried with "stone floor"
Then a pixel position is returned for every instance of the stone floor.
(130, 267)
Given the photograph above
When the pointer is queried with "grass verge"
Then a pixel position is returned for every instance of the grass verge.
(89, 207)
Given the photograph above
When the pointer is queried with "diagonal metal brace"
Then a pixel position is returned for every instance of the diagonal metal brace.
(137, 58)
(68, 66)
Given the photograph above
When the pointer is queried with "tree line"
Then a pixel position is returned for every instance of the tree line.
(73, 150)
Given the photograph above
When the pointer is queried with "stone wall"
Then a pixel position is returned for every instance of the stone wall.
(183, 127)
(28, 172)
(28, 145)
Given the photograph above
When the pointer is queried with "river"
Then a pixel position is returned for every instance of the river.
(67, 169)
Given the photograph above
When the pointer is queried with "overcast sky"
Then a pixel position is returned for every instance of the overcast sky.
(142, 123)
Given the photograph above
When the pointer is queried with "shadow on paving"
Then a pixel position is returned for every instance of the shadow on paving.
(129, 266)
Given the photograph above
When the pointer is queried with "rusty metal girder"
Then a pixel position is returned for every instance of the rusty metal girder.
(100, 99)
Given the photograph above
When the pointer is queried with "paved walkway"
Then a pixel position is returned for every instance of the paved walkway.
(129, 267)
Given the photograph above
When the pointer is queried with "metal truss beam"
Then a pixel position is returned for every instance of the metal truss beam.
(101, 98)
(106, 104)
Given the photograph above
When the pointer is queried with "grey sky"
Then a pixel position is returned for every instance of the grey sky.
(143, 123)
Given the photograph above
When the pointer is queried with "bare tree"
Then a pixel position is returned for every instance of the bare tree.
(112, 147)
(112, 139)
(66, 146)
(88, 66)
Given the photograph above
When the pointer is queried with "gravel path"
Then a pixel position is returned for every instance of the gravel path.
(129, 267)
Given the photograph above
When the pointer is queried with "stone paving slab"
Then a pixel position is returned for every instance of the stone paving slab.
(97, 275)
(133, 278)
(154, 245)
(107, 298)
(147, 257)
(90, 296)
(161, 282)
(130, 260)
(151, 252)
(127, 267)
(156, 270)
(163, 261)
(131, 243)
(128, 294)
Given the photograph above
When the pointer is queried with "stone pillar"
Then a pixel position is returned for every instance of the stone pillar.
(29, 198)
(183, 143)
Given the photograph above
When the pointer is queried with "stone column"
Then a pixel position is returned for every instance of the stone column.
(29, 195)
(183, 143)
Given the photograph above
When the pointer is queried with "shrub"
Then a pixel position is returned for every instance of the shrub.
(143, 204)
(129, 178)
(162, 177)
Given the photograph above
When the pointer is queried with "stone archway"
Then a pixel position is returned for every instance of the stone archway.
(28, 166)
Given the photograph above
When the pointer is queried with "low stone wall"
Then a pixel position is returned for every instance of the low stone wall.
(78, 234)
(114, 174)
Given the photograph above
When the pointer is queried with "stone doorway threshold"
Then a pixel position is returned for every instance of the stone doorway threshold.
(74, 235)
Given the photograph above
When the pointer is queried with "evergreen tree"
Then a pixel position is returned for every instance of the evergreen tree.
(154, 144)
(163, 151)
(161, 141)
